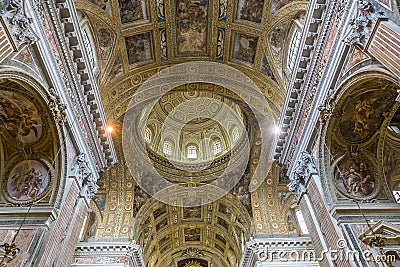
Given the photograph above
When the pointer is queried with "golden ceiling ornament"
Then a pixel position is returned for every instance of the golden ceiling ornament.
(193, 263)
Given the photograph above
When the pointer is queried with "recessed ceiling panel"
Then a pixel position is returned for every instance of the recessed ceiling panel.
(132, 11)
(139, 49)
(244, 49)
(250, 10)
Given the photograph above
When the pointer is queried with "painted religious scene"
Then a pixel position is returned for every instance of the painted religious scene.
(139, 49)
(244, 48)
(355, 178)
(132, 10)
(192, 234)
(250, 10)
(20, 117)
(27, 180)
(278, 4)
(363, 115)
(191, 27)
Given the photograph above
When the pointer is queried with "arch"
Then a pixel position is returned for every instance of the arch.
(168, 148)
(351, 168)
(28, 123)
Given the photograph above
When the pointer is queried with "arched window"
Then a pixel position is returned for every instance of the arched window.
(235, 134)
(217, 147)
(396, 195)
(167, 148)
(147, 135)
(302, 222)
(192, 152)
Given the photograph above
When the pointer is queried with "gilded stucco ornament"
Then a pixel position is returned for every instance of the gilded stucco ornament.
(82, 171)
(298, 181)
(192, 252)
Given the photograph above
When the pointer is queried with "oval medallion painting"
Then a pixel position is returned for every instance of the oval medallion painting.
(20, 117)
(27, 180)
(355, 178)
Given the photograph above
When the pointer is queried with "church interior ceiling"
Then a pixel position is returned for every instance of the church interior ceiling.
(134, 40)
(28, 145)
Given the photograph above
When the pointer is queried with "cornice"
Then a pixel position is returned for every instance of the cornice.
(314, 36)
(107, 248)
(64, 20)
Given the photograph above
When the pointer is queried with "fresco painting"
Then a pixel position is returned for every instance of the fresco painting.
(132, 10)
(27, 180)
(191, 28)
(20, 117)
(354, 177)
(251, 10)
(139, 49)
(245, 48)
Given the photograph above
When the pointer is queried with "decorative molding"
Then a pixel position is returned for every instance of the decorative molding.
(314, 30)
(192, 253)
(249, 254)
(107, 249)
(58, 109)
(63, 16)
(267, 245)
(84, 175)
(304, 168)
(18, 23)
(363, 24)
(326, 109)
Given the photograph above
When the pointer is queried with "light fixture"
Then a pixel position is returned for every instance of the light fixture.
(11, 250)
(109, 129)
(277, 130)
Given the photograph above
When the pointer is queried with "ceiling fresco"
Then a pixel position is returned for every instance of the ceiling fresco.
(360, 143)
(134, 39)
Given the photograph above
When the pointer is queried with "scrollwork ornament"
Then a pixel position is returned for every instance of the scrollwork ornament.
(193, 253)
(326, 109)
(305, 167)
(86, 179)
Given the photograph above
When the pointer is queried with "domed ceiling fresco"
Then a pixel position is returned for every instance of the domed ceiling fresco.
(130, 41)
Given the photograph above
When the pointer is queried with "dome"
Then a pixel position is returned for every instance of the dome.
(193, 133)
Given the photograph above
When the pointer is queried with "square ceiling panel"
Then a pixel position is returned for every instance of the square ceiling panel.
(133, 11)
(140, 50)
(192, 31)
(244, 49)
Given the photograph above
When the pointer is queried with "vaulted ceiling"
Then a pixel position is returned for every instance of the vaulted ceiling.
(135, 39)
